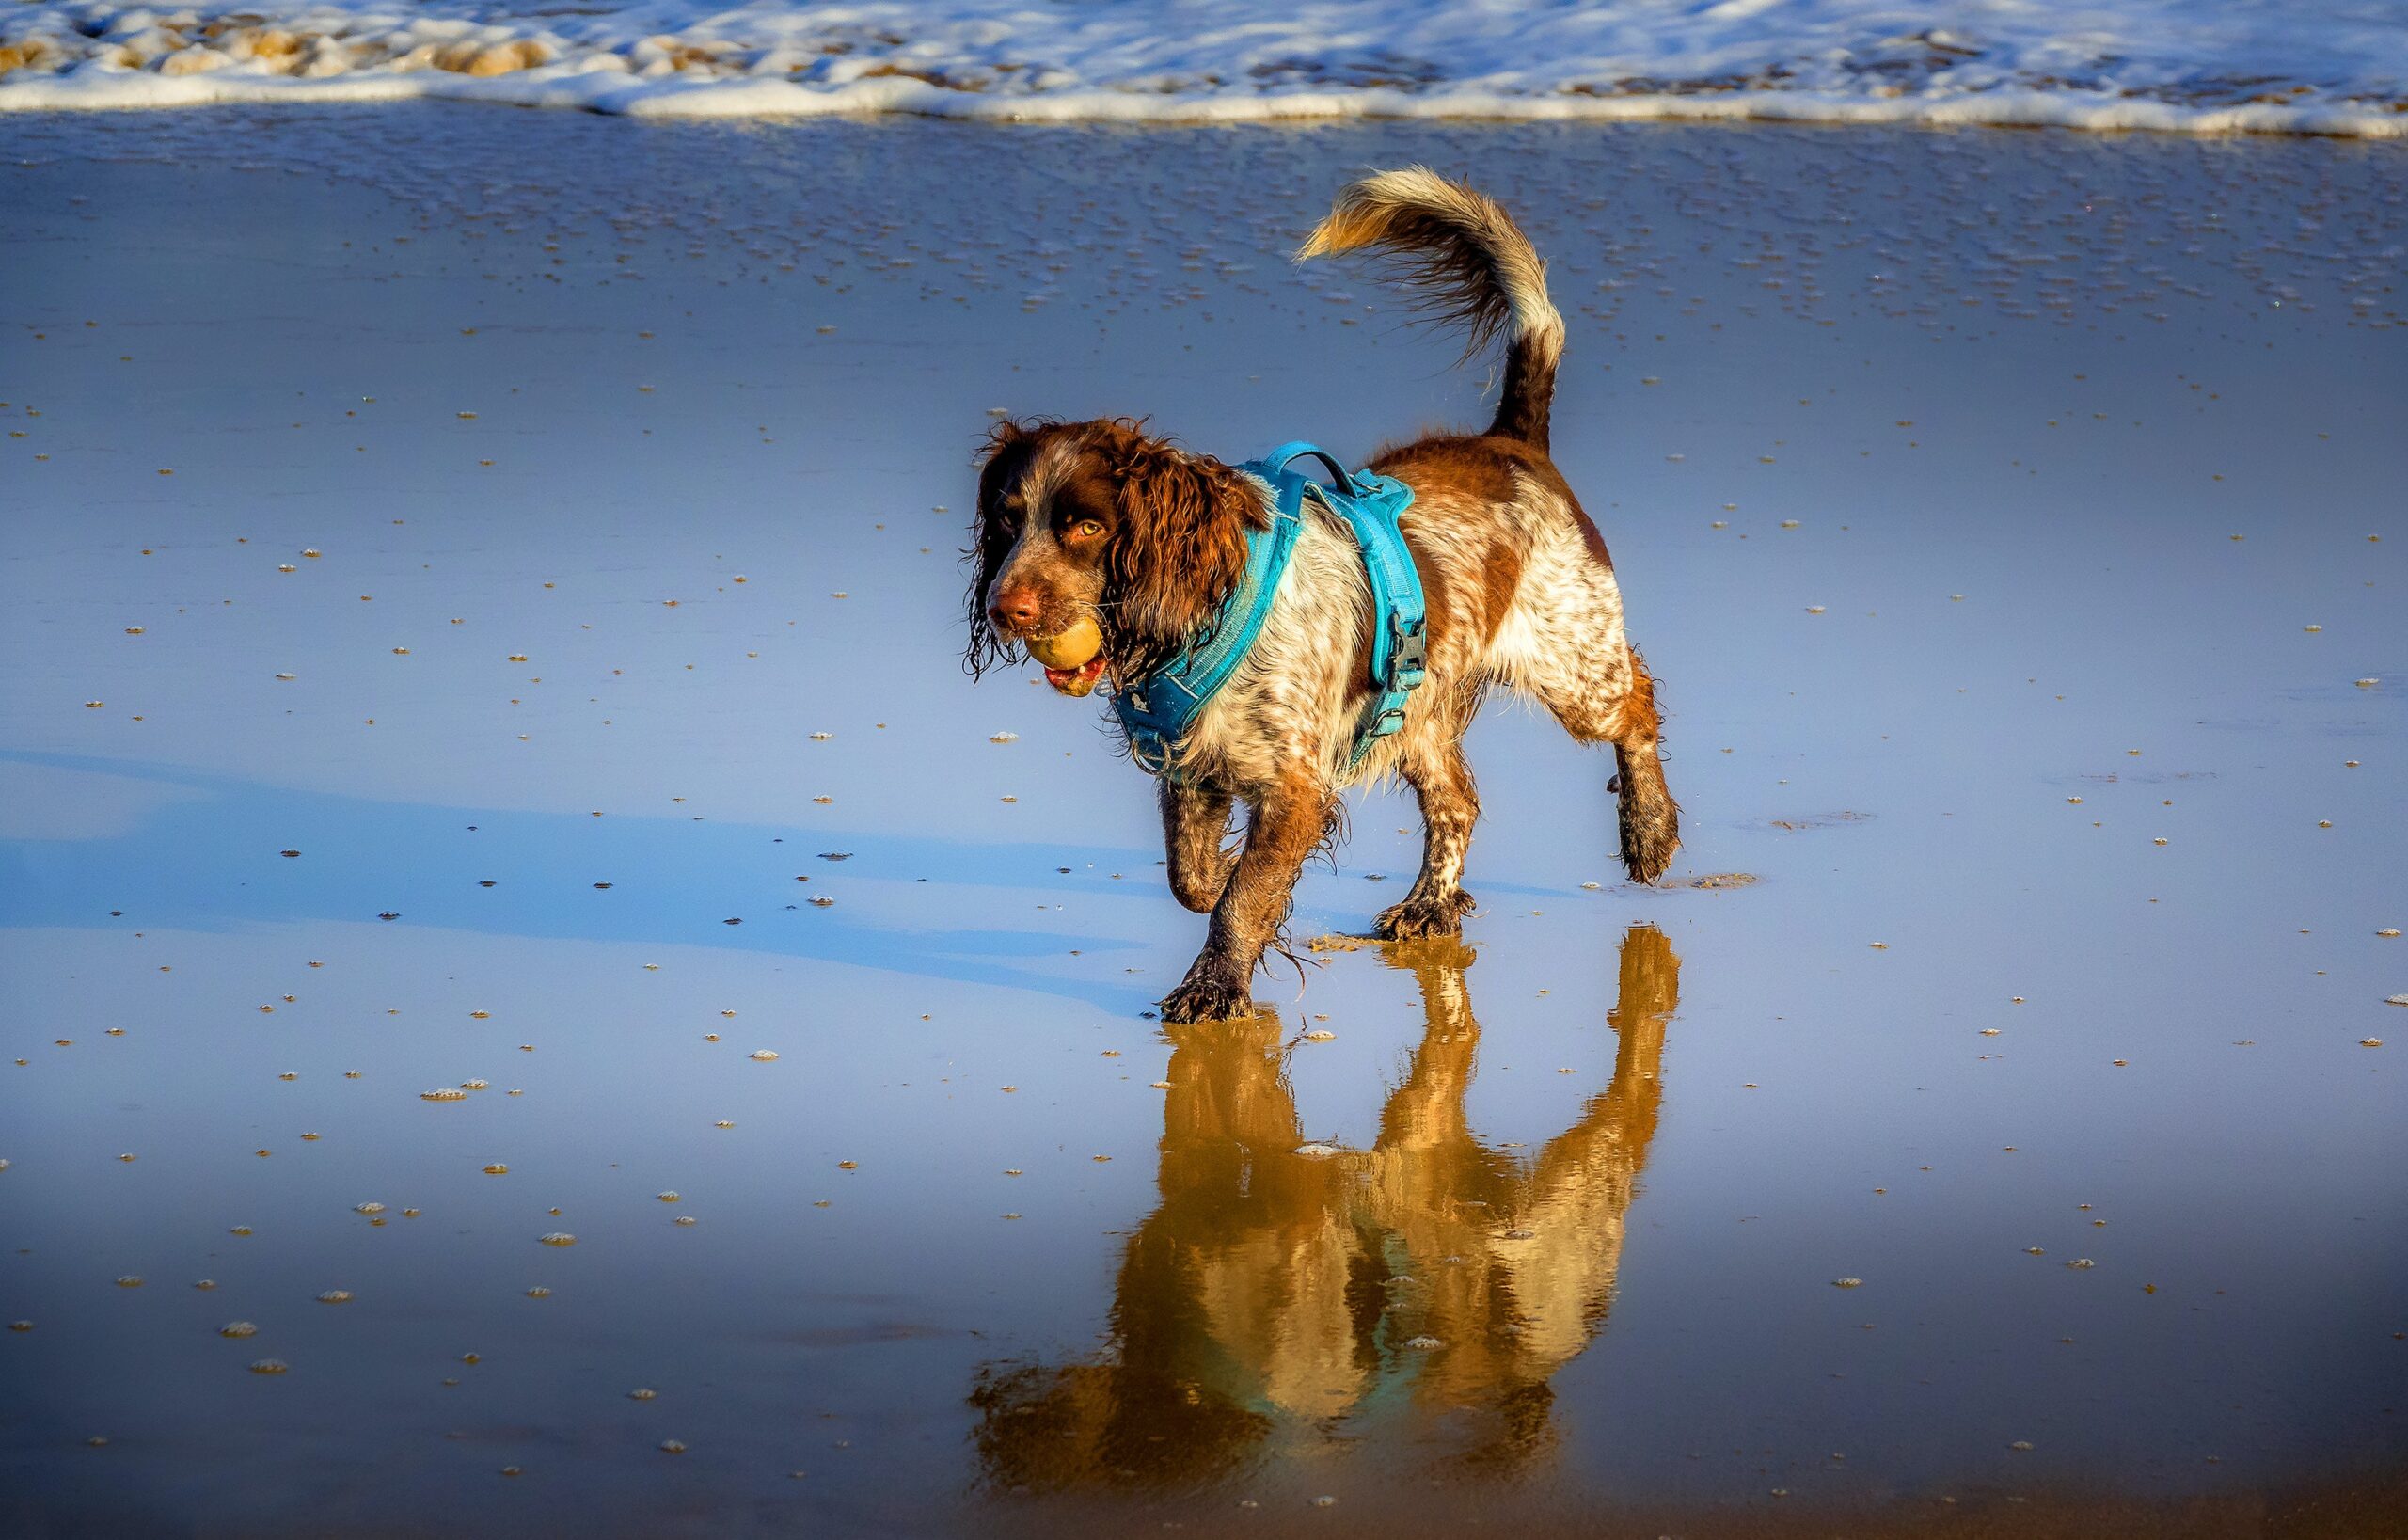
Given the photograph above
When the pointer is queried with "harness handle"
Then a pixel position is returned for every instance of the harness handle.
(1277, 460)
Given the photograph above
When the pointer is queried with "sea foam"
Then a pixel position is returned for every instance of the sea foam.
(2337, 67)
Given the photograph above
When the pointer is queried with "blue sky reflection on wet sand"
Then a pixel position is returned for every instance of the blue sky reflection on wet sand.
(210, 859)
(1919, 582)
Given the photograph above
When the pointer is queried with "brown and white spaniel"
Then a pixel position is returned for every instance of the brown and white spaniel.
(1102, 522)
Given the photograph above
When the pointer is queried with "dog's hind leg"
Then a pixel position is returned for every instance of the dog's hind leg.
(1651, 820)
(1611, 699)
(1432, 763)
(1565, 644)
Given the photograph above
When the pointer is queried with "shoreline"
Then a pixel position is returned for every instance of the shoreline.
(2332, 68)
(779, 101)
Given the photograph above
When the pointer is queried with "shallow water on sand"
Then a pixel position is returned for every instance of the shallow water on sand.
(481, 608)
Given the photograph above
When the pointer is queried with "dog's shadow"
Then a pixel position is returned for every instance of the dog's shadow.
(152, 844)
(1283, 1294)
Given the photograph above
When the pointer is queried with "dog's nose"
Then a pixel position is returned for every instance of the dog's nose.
(1014, 607)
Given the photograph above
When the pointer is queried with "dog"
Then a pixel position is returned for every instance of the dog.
(1103, 523)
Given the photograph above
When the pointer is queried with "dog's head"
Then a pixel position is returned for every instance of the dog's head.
(1099, 521)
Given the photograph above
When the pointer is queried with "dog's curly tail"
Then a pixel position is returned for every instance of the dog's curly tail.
(1472, 265)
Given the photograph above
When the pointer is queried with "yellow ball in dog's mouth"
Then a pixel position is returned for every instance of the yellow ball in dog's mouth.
(1070, 649)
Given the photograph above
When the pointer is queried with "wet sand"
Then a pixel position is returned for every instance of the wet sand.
(475, 583)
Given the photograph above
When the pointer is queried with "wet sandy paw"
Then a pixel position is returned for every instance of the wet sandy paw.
(1205, 997)
(1423, 914)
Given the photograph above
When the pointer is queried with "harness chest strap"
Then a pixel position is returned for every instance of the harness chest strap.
(1158, 710)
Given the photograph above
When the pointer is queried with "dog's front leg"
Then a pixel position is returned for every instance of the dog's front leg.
(1283, 830)
(1196, 820)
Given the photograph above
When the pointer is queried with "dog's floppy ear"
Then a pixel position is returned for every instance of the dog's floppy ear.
(1003, 436)
(1007, 449)
(1180, 548)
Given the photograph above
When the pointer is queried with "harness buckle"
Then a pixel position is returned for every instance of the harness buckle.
(1409, 660)
(1156, 763)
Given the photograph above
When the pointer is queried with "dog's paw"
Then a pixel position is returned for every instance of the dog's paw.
(1423, 914)
(1205, 997)
(1649, 839)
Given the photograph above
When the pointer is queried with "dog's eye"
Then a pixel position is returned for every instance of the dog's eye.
(1086, 529)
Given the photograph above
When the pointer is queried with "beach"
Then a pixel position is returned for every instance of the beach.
(497, 829)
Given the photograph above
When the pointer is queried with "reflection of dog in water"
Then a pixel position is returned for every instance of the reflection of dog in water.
(1432, 1282)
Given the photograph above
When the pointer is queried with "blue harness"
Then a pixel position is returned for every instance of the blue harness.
(1158, 710)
